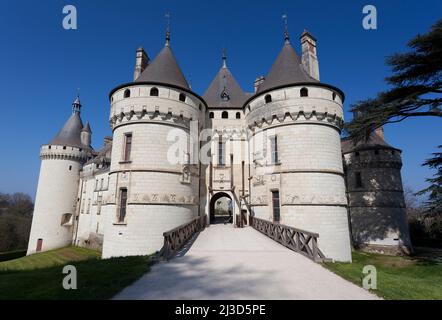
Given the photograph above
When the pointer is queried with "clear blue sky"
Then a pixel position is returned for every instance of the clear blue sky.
(42, 64)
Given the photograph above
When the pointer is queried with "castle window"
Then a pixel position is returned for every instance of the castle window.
(70, 168)
(200, 107)
(274, 149)
(392, 152)
(99, 201)
(268, 98)
(334, 95)
(64, 147)
(123, 204)
(238, 115)
(127, 146)
(127, 93)
(275, 206)
(376, 152)
(182, 97)
(154, 92)
(225, 115)
(221, 152)
(211, 115)
(304, 92)
(358, 180)
(357, 154)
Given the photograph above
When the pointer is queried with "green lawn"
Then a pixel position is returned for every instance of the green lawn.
(397, 277)
(40, 276)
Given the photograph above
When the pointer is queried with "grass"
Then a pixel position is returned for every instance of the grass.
(40, 276)
(398, 278)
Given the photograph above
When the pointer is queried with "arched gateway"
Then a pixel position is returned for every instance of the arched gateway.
(221, 208)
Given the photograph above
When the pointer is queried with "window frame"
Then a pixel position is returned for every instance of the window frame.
(122, 205)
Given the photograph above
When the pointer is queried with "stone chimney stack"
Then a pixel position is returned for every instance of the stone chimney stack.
(107, 140)
(258, 81)
(309, 56)
(141, 62)
(380, 132)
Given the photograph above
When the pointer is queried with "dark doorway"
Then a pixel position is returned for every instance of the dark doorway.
(221, 208)
(39, 245)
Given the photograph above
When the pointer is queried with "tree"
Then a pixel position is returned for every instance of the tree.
(416, 87)
(434, 191)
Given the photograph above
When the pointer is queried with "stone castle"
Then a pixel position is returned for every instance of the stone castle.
(275, 153)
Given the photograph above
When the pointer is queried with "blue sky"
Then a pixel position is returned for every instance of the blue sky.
(42, 65)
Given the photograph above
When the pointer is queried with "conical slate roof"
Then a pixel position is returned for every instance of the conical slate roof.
(374, 141)
(70, 134)
(224, 91)
(164, 69)
(286, 69)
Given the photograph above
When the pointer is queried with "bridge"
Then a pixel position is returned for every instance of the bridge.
(223, 262)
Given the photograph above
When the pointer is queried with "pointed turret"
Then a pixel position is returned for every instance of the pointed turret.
(70, 133)
(287, 69)
(86, 135)
(164, 69)
(224, 91)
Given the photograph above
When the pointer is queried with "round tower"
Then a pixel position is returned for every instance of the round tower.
(154, 174)
(375, 194)
(297, 171)
(56, 198)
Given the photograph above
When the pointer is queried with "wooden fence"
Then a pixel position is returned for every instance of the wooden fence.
(175, 239)
(298, 240)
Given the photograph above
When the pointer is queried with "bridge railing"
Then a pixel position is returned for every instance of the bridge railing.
(175, 239)
(298, 240)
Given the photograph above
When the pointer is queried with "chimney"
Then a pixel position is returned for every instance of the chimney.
(258, 82)
(309, 56)
(141, 62)
(380, 132)
(107, 140)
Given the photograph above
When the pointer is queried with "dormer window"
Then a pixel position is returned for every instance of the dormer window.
(304, 92)
(268, 98)
(238, 115)
(154, 92)
(182, 97)
(225, 115)
(127, 93)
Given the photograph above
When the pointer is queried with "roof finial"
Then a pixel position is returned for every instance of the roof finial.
(76, 105)
(167, 16)
(224, 57)
(286, 29)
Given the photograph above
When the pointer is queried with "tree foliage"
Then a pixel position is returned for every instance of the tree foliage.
(15, 221)
(416, 87)
(434, 191)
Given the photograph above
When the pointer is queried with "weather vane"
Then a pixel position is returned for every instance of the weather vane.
(286, 28)
(167, 16)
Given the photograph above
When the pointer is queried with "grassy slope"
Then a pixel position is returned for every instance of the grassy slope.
(398, 277)
(40, 276)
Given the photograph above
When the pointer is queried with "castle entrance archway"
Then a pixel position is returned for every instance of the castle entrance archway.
(221, 208)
